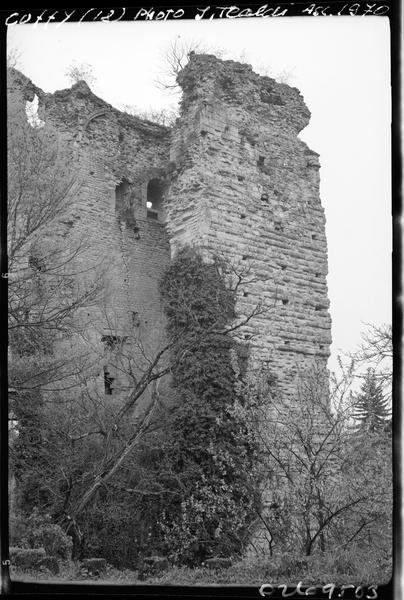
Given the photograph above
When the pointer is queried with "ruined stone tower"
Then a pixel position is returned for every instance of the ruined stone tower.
(231, 177)
(248, 188)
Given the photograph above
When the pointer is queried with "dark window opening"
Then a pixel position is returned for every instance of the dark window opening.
(124, 205)
(287, 342)
(318, 274)
(122, 198)
(278, 226)
(240, 177)
(260, 161)
(245, 257)
(283, 267)
(245, 294)
(319, 307)
(321, 347)
(285, 301)
(203, 132)
(155, 200)
(108, 381)
(264, 197)
(314, 236)
(242, 216)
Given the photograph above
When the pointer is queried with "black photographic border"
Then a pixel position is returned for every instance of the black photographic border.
(389, 8)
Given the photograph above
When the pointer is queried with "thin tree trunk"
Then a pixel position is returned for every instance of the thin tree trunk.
(103, 478)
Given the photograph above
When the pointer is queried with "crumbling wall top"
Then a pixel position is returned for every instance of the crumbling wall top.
(63, 106)
(20, 84)
(207, 78)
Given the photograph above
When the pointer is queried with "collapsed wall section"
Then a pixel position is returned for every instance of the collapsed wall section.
(247, 187)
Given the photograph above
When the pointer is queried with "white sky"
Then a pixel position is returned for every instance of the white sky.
(341, 65)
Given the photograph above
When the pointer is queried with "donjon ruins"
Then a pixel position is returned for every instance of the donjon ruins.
(230, 177)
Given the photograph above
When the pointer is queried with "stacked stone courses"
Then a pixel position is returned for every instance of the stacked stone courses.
(248, 188)
(234, 179)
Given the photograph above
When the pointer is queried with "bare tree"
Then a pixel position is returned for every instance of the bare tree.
(286, 75)
(318, 497)
(13, 57)
(376, 352)
(176, 56)
(119, 440)
(80, 72)
(47, 280)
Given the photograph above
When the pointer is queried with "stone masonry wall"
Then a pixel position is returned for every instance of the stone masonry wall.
(120, 244)
(248, 188)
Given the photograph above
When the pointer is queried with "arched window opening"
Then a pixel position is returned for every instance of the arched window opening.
(155, 200)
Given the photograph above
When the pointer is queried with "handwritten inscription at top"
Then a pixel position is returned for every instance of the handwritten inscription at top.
(208, 12)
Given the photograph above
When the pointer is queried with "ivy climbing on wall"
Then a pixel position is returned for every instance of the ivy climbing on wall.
(212, 453)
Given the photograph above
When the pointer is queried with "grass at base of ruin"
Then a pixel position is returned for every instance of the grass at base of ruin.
(308, 570)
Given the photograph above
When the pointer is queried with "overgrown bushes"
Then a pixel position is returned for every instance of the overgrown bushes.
(37, 531)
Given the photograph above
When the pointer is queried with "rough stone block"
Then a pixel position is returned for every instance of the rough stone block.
(94, 566)
(27, 558)
(152, 565)
(217, 563)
